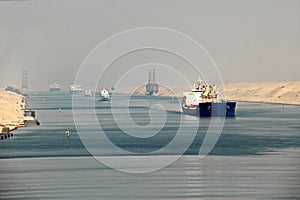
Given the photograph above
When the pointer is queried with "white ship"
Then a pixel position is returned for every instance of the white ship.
(75, 89)
(104, 95)
(54, 87)
(88, 92)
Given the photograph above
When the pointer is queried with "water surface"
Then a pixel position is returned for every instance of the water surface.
(256, 156)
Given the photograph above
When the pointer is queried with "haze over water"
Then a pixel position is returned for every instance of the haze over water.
(105, 44)
(256, 156)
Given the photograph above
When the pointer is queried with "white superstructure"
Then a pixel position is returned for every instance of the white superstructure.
(201, 93)
(88, 92)
(104, 95)
(75, 89)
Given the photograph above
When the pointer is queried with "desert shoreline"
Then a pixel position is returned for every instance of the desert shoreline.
(12, 106)
(285, 93)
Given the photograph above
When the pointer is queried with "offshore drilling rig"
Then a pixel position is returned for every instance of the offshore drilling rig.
(152, 86)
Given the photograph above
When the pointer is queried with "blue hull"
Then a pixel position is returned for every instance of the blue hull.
(54, 90)
(212, 109)
(104, 99)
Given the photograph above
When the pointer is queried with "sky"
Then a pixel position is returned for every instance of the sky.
(248, 40)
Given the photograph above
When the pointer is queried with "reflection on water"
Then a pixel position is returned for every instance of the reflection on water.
(215, 177)
(256, 157)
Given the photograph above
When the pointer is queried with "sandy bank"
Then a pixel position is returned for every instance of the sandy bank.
(267, 92)
(11, 109)
(264, 92)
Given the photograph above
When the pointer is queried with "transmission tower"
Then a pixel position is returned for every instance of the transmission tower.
(24, 82)
(152, 86)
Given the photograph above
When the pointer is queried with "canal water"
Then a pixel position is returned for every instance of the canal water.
(257, 155)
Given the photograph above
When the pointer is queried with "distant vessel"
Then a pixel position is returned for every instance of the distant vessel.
(75, 89)
(88, 92)
(29, 118)
(104, 95)
(54, 87)
(204, 101)
(12, 89)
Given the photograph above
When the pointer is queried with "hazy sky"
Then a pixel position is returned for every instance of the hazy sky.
(254, 40)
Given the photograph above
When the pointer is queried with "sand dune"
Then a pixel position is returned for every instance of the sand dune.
(11, 109)
(269, 92)
(265, 92)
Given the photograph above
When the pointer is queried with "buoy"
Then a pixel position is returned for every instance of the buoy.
(68, 132)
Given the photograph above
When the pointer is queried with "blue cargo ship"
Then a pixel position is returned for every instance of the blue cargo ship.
(204, 101)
